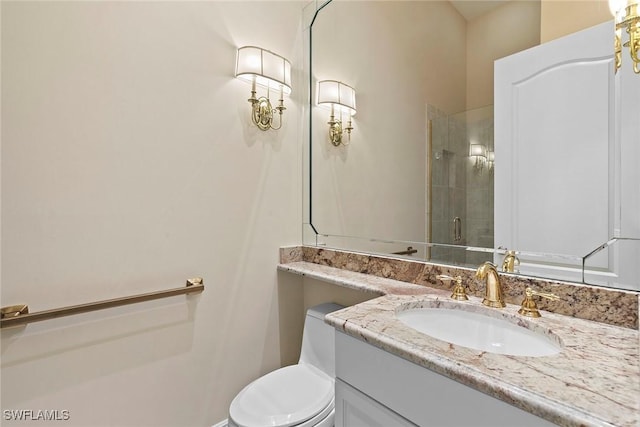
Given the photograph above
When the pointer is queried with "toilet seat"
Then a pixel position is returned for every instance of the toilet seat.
(297, 395)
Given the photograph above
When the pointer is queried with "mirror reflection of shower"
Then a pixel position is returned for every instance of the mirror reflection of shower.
(459, 199)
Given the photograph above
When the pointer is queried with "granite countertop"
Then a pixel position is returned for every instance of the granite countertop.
(593, 381)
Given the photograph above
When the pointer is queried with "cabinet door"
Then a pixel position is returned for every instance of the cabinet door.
(355, 409)
(555, 143)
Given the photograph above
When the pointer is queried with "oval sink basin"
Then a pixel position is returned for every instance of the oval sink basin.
(479, 332)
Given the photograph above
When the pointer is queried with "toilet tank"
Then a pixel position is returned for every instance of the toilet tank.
(318, 344)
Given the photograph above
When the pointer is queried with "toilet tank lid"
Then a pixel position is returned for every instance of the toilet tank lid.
(321, 310)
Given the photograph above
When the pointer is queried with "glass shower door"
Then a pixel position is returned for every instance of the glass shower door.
(459, 186)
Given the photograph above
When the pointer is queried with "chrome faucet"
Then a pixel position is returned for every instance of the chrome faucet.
(493, 290)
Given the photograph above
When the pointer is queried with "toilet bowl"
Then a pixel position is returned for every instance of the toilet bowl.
(299, 395)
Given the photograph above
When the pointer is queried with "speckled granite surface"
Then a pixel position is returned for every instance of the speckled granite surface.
(349, 279)
(593, 381)
(611, 306)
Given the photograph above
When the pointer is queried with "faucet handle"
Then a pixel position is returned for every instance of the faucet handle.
(529, 307)
(458, 291)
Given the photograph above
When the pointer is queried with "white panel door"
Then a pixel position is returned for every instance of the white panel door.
(555, 173)
(627, 257)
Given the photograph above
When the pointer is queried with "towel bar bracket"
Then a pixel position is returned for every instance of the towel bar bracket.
(13, 311)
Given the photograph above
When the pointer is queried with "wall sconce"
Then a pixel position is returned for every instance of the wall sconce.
(491, 160)
(479, 152)
(626, 16)
(267, 69)
(341, 97)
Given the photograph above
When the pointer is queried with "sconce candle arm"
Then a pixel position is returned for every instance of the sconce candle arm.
(627, 18)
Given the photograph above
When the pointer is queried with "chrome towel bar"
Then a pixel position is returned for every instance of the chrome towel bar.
(17, 315)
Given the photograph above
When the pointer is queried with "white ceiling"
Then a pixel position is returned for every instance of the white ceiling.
(471, 9)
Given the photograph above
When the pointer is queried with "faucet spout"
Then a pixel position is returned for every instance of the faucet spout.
(493, 291)
(510, 262)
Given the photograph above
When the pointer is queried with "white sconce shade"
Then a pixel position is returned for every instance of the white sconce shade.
(267, 68)
(338, 94)
(477, 150)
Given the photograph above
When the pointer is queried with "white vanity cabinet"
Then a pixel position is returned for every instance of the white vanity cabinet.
(376, 388)
(354, 408)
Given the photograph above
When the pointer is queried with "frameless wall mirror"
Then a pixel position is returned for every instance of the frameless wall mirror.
(424, 172)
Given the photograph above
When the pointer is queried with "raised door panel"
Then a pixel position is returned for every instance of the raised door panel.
(355, 409)
(555, 148)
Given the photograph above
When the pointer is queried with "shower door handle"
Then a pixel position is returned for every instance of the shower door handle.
(457, 229)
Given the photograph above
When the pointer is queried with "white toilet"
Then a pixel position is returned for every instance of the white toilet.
(299, 395)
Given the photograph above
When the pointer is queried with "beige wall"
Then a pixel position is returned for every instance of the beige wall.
(516, 26)
(128, 165)
(560, 18)
(318, 292)
(399, 56)
(508, 29)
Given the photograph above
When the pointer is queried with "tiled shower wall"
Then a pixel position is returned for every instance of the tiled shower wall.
(479, 224)
(448, 181)
(457, 189)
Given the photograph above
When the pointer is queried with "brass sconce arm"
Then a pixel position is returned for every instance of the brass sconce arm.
(262, 112)
(626, 18)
